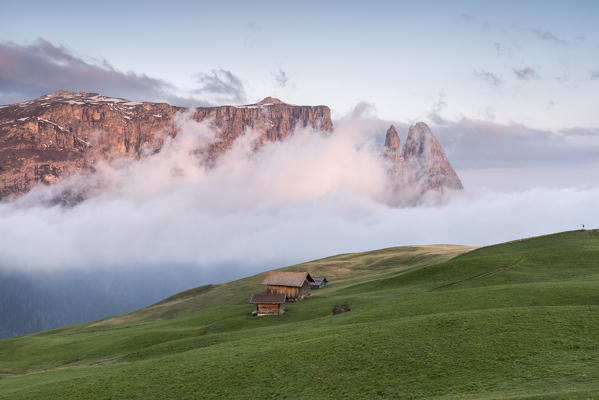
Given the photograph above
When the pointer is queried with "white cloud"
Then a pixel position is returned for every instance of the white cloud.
(309, 196)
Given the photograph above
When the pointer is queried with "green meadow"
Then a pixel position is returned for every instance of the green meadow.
(513, 320)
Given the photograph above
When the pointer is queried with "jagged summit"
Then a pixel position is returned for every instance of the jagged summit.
(392, 150)
(421, 163)
(420, 141)
(427, 160)
(392, 138)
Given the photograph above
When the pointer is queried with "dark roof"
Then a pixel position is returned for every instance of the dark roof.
(320, 279)
(268, 298)
(295, 279)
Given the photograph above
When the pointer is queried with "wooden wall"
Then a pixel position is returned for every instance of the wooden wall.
(271, 308)
(290, 291)
(305, 289)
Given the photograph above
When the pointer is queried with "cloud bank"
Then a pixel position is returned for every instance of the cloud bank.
(310, 196)
(472, 143)
(28, 70)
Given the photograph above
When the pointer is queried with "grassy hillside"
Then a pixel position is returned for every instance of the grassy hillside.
(516, 320)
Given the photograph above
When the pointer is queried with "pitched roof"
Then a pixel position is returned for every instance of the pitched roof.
(268, 298)
(295, 279)
(320, 279)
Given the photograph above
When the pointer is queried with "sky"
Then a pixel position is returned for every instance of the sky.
(533, 63)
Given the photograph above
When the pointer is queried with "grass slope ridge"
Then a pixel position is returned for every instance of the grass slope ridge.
(516, 320)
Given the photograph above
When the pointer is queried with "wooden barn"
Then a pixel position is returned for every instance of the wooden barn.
(319, 282)
(295, 285)
(268, 303)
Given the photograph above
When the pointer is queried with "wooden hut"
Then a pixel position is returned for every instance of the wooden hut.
(268, 303)
(295, 285)
(319, 282)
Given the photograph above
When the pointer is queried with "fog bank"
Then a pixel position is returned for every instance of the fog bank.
(310, 196)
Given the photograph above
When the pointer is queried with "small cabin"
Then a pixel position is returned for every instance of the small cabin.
(294, 285)
(268, 303)
(319, 282)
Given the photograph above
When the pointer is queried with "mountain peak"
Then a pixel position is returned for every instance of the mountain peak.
(420, 166)
(425, 156)
(421, 142)
(63, 93)
(392, 139)
(420, 129)
(270, 100)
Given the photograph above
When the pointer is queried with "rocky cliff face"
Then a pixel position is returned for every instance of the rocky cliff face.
(426, 161)
(44, 140)
(421, 166)
(392, 149)
(50, 138)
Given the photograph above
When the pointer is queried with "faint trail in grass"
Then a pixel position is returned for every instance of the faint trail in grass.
(74, 360)
(484, 275)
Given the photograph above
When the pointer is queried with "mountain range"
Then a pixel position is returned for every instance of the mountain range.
(48, 139)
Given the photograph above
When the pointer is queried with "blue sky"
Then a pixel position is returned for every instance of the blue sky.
(529, 62)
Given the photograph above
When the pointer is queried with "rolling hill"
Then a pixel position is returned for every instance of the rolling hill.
(514, 320)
